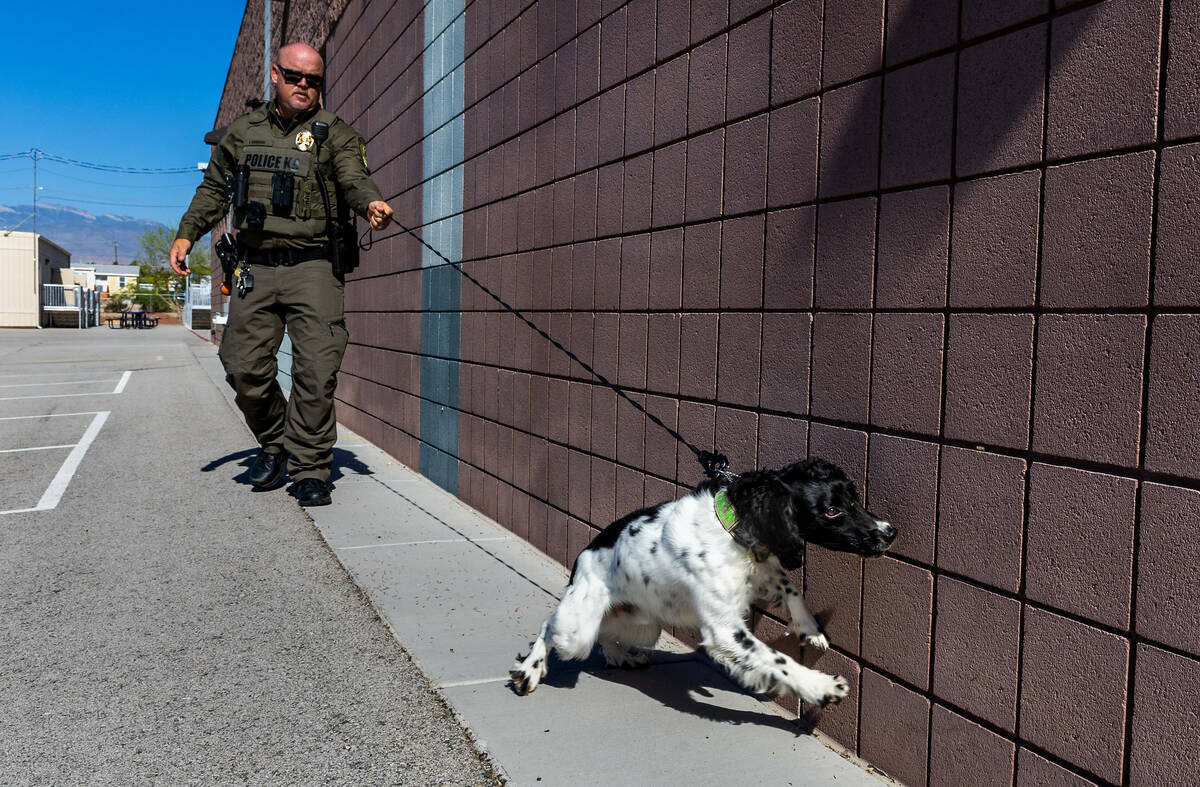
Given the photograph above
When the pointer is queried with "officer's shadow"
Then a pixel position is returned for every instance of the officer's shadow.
(345, 463)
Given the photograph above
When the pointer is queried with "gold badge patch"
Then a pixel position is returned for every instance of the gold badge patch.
(304, 140)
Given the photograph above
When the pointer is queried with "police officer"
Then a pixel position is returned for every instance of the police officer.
(266, 166)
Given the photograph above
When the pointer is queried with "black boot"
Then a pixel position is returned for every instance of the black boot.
(311, 492)
(268, 469)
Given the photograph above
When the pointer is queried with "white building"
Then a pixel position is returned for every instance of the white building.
(105, 278)
(27, 261)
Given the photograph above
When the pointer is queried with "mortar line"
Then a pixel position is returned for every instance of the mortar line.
(1139, 493)
(421, 543)
(876, 196)
(950, 195)
(1037, 323)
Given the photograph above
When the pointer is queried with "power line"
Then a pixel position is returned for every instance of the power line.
(103, 202)
(36, 154)
(110, 184)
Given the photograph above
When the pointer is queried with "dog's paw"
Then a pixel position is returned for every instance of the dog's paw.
(814, 638)
(819, 641)
(525, 676)
(524, 680)
(824, 689)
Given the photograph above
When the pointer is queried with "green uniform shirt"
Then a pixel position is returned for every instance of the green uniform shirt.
(343, 163)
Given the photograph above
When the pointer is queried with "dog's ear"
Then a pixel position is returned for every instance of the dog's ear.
(763, 502)
(810, 471)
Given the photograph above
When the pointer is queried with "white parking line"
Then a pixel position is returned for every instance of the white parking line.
(44, 415)
(61, 382)
(119, 389)
(63, 477)
(35, 448)
(46, 374)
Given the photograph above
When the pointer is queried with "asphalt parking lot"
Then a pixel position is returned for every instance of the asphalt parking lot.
(161, 623)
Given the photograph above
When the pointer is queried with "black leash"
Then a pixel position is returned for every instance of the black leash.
(715, 465)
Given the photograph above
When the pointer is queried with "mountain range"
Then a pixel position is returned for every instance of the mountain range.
(87, 236)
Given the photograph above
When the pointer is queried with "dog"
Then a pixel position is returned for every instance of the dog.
(699, 562)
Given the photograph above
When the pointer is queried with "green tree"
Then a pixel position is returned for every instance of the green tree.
(159, 288)
(156, 288)
(155, 248)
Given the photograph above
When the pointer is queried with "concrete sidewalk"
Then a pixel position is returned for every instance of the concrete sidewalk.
(463, 595)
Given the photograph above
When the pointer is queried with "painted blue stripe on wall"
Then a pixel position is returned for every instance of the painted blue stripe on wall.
(441, 209)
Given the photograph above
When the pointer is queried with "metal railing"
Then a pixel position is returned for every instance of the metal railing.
(73, 298)
(198, 299)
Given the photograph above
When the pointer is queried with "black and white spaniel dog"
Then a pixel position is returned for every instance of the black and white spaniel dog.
(700, 562)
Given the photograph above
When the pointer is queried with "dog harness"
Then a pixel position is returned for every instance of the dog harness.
(724, 510)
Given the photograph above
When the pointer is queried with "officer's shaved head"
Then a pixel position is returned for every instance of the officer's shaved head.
(297, 76)
(301, 57)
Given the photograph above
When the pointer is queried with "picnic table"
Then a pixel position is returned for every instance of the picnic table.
(130, 319)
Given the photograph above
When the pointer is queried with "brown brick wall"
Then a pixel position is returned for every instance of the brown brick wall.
(949, 245)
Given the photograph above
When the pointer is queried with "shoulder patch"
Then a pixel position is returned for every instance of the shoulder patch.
(362, 151)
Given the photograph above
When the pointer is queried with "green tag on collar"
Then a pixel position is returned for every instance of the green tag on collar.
(724, 511)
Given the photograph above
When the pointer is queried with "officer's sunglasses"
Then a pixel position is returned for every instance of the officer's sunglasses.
(293, 77)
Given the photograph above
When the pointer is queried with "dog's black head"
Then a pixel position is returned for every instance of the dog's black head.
(780, 511)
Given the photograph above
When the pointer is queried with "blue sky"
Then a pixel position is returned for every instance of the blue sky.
(131, 84)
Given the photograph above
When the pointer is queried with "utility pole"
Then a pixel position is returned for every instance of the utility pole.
(37, 271)
(115, 254)
(35, 153)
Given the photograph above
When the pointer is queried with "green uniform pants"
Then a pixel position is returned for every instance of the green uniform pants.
(308, 299)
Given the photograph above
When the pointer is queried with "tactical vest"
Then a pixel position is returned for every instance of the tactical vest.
(265, 154)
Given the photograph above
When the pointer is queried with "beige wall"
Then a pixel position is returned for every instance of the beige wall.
(18, 281)
(20, 278)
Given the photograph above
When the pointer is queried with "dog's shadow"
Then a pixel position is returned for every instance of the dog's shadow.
(686, 682)
(345, 463)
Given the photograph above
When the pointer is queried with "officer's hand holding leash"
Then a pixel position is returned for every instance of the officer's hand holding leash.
(178, 256)
(379, 215)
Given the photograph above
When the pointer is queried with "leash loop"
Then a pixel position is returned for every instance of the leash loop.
(716, 467)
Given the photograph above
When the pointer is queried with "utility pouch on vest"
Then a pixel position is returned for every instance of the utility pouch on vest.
(240, 187)
(282, 190)
(256, 215)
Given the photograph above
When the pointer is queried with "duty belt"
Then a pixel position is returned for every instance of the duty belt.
(286, 257)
